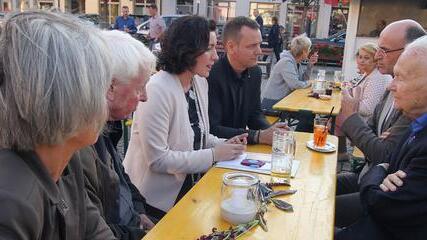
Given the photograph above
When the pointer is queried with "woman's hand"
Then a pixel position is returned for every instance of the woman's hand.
(228, 151)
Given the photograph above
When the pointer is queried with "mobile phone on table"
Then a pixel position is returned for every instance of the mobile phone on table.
(252, 163)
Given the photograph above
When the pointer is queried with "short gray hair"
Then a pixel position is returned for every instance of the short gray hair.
(55, 75)
(418, 48)
(299, 44)
(130, 57)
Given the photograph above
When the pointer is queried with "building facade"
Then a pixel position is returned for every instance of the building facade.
(291, 15)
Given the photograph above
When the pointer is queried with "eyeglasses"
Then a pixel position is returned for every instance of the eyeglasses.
(384, 51)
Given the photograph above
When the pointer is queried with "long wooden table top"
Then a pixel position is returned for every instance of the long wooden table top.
(299, 100)
(314, 203)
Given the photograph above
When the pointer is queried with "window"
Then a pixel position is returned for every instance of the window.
(223, 11)
(297, 25)
(45, 4)
(375, 15)
(184, 7)
(339, 17)
(109, 10)
(266, 11)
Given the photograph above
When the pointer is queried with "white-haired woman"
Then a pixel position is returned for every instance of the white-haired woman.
(288, 75)
(54, 78)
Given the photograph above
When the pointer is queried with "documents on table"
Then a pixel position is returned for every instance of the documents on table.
(264, 169)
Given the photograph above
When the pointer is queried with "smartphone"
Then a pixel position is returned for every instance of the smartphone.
(252, 163)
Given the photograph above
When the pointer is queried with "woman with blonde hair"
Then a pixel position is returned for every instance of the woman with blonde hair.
(368, 88)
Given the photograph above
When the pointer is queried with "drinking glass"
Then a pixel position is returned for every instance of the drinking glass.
(320, 130)
(283, 153)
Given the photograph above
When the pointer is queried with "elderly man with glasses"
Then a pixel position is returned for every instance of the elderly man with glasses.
(378, 137)
(393, 194)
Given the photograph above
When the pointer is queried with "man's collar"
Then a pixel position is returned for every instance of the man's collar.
(419, 124)
(238, 76)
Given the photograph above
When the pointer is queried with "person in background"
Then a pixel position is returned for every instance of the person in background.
(275, 38)
(157, 26)
(369, 87)
(234, 86)
(393, 194)
(124, 22)
(170, 140)
(52, 104)
(288, 74)
(380, 135)
(108, 185)
(259, 20)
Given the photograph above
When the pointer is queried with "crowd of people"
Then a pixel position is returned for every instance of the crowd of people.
(61, 80)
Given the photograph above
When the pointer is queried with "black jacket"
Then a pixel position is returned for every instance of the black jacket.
(234, 102)
(33, 206)
(274, 37)
(104, 173)
(401, 214)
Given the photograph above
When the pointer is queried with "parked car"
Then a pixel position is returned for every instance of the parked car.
(330, 49)
(140, 18)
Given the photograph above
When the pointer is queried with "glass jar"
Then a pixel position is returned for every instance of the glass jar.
(239, 197)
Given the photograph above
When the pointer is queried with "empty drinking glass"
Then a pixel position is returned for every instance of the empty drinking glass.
(283, 153)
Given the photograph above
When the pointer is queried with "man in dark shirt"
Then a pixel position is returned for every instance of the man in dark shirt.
(393, 195)
(234, 86)
(259, 20)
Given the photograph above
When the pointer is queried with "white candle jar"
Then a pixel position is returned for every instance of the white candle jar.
(239, 197)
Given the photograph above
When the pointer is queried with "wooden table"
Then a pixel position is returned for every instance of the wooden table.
(299, 100)
(314, 203)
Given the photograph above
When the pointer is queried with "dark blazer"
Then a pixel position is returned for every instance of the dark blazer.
(274, 37)
(260, 22)
(108, 185)
(234, 102)
(403, 213)
(33, 206)
(364, 134)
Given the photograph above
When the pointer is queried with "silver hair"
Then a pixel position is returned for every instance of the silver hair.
(299, 44)
(418, 48)
(130, 57)
(55, 72)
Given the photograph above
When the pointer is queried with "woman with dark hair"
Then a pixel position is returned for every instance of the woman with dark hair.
(170, 135)
(275, 39)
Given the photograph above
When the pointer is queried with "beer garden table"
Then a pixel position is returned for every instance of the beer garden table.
(314, 202)
(299, 100)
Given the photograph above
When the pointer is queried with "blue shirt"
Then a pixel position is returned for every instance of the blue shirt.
(417, 125)
(121, 23)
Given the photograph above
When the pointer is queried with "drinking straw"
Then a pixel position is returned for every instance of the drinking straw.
(329, 118)
(326, 125)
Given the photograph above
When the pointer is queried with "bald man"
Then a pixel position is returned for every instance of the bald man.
(394, 194)
(378, 137)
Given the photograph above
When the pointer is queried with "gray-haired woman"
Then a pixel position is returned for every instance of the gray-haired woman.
(288, 75)
(53, 82)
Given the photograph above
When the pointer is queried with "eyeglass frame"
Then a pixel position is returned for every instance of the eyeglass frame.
(384, 52)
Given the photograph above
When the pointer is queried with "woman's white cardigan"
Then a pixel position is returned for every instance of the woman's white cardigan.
(160, 152)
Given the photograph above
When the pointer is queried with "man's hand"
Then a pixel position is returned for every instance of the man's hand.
(349, 103)
(239, 139)
(392, 181)
(146, 223)
(266, 136)
(385, 134)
